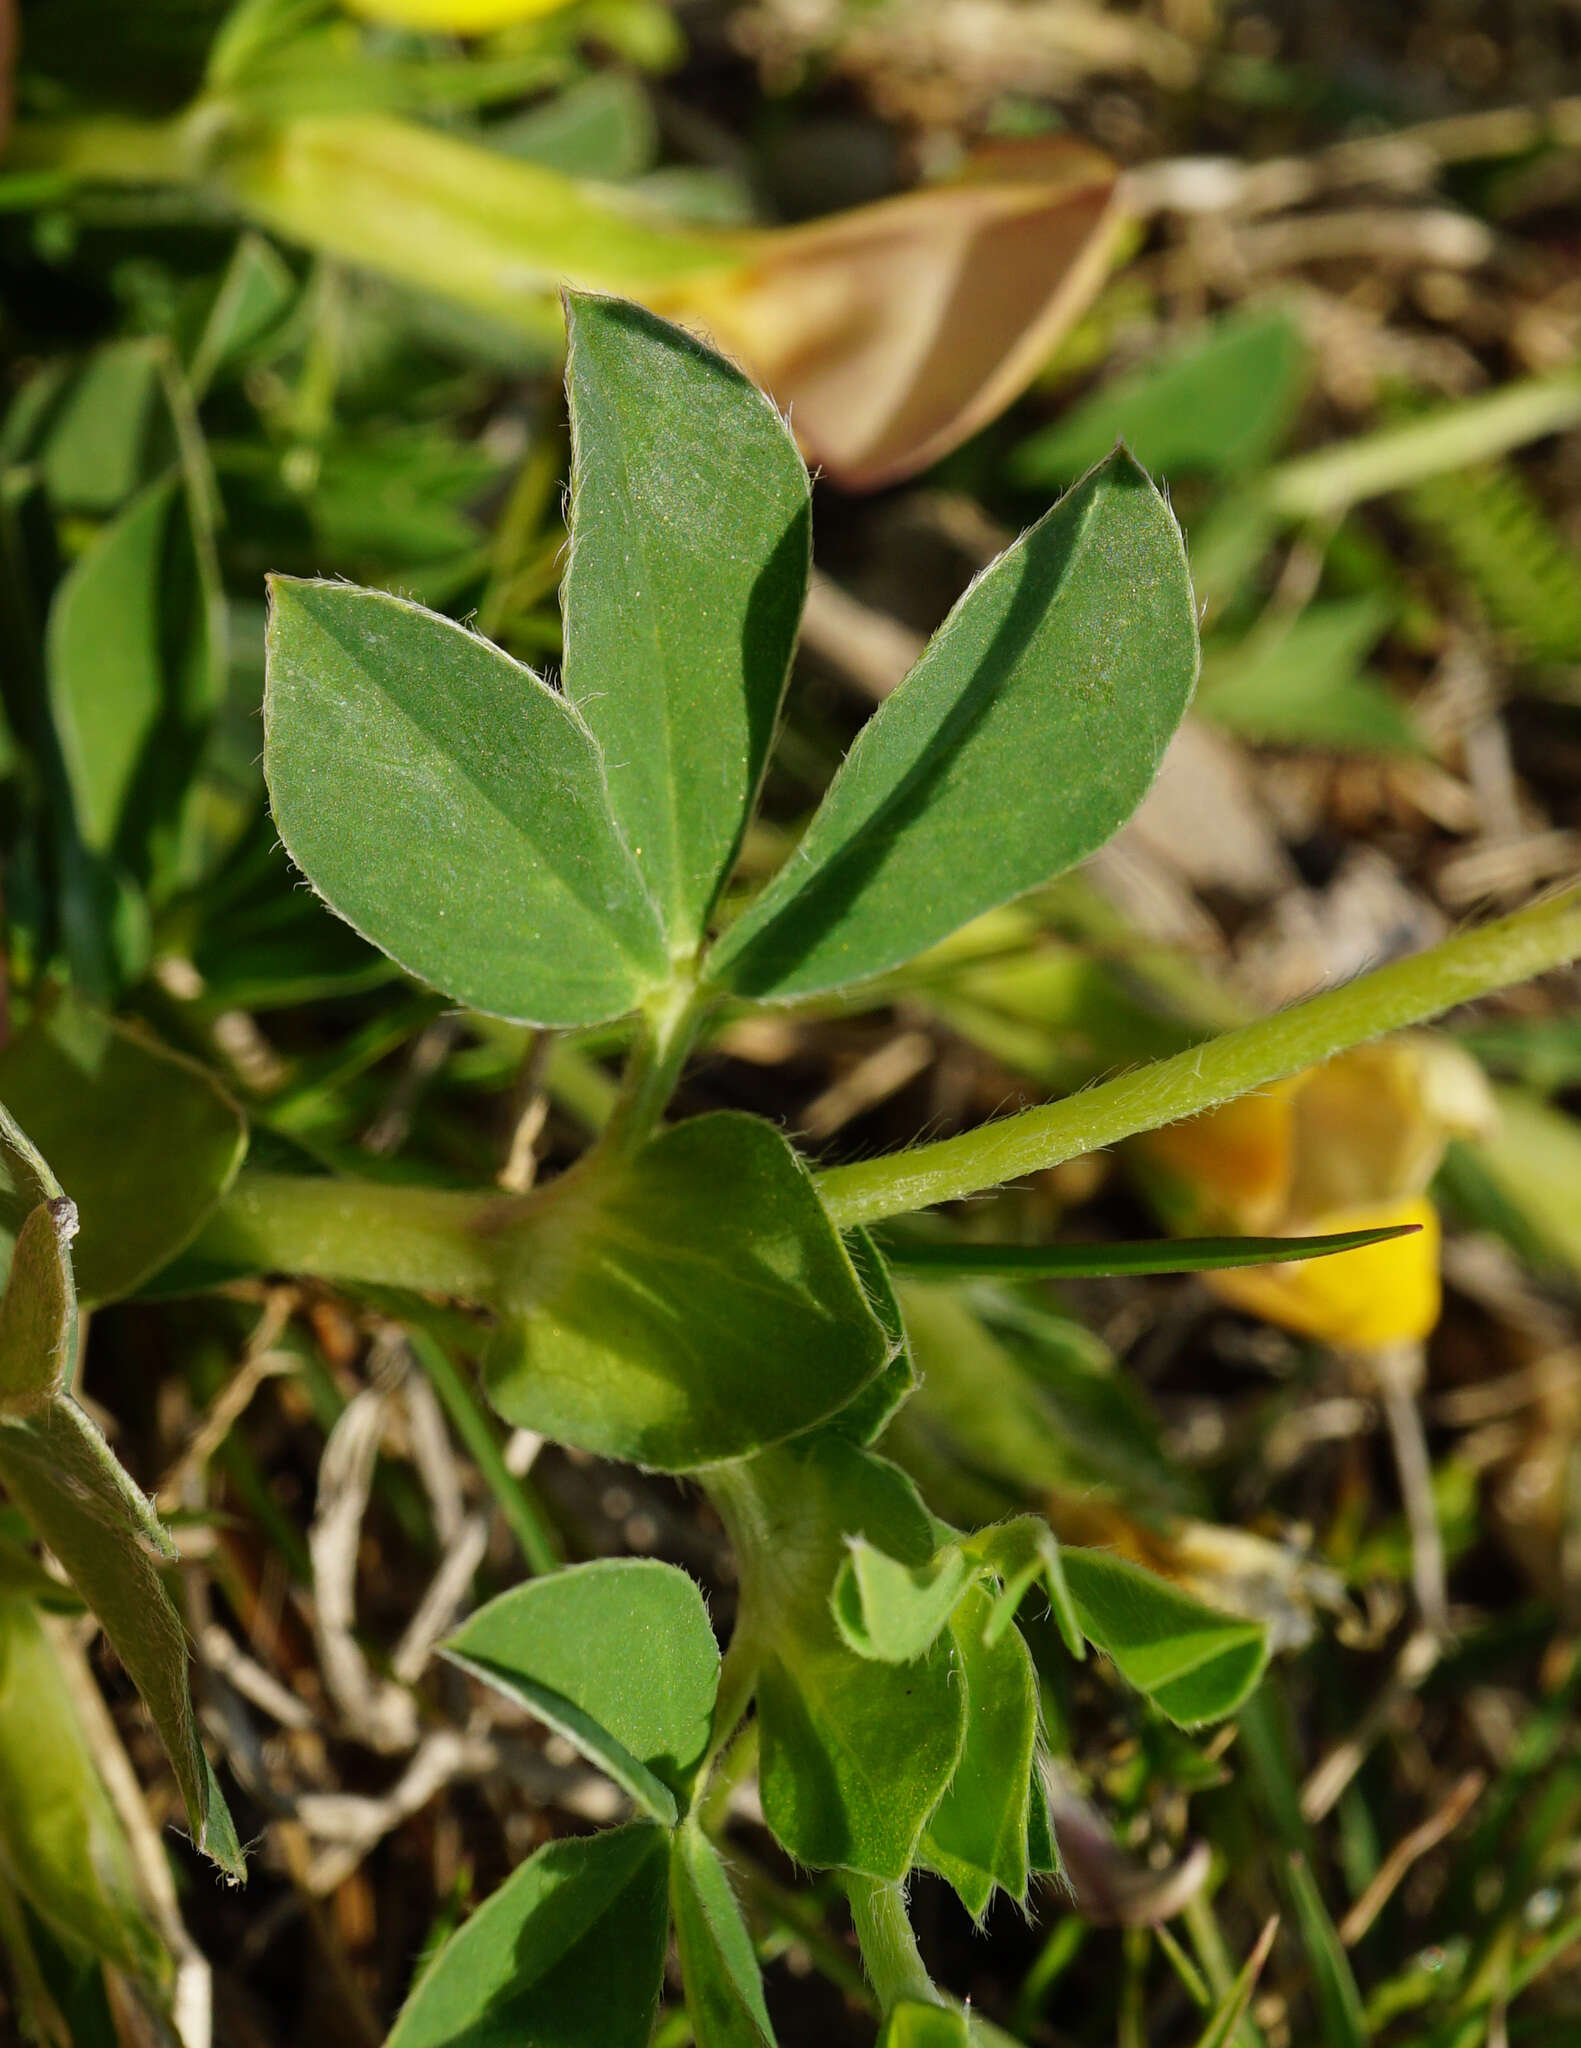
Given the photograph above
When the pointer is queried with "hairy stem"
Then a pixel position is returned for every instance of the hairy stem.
(889, 1948)
(1410, 991)
(429, 1240)
(669, 1030)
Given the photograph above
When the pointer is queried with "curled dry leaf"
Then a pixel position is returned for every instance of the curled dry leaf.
(891, 332)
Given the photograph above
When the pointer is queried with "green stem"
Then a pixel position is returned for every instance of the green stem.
(889, 1948)
(669, 1029)
(1545, 936)
(427, 1240)
(1325, 485)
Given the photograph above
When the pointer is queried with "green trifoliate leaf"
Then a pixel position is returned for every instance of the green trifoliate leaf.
(568, 1953)
(452, 808)
(894, 1612)
(1194, 1663)
(913, 2025)
(978, 1836)
(688, 569)
(686, 1303)
(724, 1989)
(855, 1754)
(1025, 736)
(144, 1140)
(61, 1844)
(619, 1657)
(65, 1478)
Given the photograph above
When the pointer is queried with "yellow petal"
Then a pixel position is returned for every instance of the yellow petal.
(454, 17)
(1371, 1125)
(1382, 1294)
(1230, 1168)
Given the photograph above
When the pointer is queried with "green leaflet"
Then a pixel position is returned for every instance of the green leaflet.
(61, 1844)
(144, 1140)
(132, 663)
(692, 527)
(1193, 1663)
(724, 1990)
(1221, 405)
(978, 1836)
(1026, 735)
(1307, 685)
(452, 809)
(568, 1953)
(855, 1755)
(98, 437)
(865, 1419)
(890, 1611)
(619, 1657)
(63, 1475)
(38, 1311)
(686, 1303)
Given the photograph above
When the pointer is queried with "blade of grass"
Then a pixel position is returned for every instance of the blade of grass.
(1108, 1261)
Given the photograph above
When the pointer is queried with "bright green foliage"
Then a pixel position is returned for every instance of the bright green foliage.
(913, 2025)
(619, 1657)
(568, 1953)
(855, 1754)
(724, 1990)
(692, 532)
(1194, 1664)
(131, 658)
(1306, 685)
(1221, 405)
(978, 1835)
(735, 1323)
(452, 808)
(1025, 736)
(61, 1845)
(891, 1612)
(100, 428)
(144, 1140)
(63, 1475)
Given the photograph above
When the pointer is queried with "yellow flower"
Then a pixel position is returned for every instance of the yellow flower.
(1347, 1146)
(454, 17)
